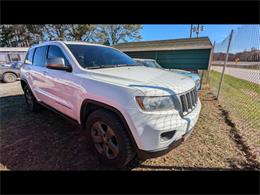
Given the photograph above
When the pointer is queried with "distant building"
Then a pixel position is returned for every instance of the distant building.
(12, 54)
(187, 53)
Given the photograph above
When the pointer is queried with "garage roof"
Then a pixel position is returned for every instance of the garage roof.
(8, 49)
(162, 45)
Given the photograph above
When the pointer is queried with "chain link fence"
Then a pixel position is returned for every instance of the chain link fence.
(237, 58)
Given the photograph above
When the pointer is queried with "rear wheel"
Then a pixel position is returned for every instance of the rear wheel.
(109, 138)
(31, 101)
(9, 77)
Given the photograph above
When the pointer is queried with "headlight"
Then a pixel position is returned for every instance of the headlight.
(197, 82)
(155, 103)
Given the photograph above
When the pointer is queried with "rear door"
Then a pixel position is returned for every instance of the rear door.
(27, 66)
(38, 73)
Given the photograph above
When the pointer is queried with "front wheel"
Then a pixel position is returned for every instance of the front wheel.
(109, 138)
(31, 101)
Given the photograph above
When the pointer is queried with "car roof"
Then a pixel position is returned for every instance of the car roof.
(69, 42)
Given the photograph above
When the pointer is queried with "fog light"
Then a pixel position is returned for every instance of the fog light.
(167, 135)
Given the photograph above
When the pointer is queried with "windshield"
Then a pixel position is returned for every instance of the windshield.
(92, 56)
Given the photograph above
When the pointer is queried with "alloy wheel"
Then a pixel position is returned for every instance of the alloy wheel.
(105, 140)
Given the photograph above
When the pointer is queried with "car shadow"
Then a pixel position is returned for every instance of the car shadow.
(42, 140)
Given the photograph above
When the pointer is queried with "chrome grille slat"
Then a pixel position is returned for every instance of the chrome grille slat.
(188, 101)
(192, 101)
(196, 97)
(184, 104)
(193, 98)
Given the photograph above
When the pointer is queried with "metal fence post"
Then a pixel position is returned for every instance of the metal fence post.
(225, 62)
(210, 59)
(201, 79)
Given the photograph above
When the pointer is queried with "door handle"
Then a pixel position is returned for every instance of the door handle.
(45, 72)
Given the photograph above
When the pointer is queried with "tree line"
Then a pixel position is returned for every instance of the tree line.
(245, 56)
(29, 34)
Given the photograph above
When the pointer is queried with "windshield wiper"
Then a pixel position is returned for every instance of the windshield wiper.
(94, 67)
(122, 65)
(112, 66)
(107, 66)
(97, 67)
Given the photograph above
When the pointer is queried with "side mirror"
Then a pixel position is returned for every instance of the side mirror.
(58, 64)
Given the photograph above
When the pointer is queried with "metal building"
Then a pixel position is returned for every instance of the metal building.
(188, 54)
(12, 54)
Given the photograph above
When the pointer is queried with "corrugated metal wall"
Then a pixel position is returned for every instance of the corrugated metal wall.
(179, 59)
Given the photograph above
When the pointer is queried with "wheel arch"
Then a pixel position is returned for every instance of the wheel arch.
(23, 83)
(89, 106)
(9, 71)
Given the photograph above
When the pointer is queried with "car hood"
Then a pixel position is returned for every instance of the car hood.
(189, 74)
(146, 79)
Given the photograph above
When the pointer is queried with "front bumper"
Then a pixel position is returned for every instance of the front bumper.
(142, 154)
(147, 128)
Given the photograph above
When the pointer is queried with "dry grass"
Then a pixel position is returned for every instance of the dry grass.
(242, 100)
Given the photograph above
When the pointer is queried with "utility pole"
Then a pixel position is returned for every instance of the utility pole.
(191, 30)
(198, 30)
(226, 59)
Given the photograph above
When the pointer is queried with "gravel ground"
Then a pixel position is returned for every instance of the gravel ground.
(45, 141)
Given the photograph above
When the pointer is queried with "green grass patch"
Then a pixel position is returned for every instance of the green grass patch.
(241, 97)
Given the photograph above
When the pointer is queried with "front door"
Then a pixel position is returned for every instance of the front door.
(62, 91)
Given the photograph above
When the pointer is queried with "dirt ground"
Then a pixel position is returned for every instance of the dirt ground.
(45, 141)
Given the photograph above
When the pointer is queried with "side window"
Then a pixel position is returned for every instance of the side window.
(30, 55)
(14, 57)
(56, 52)
(40, 56)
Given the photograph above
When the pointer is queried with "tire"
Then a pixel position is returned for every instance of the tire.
(9, 77)
(30, 100)
(112, 144)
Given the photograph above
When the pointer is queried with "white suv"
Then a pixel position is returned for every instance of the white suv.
(127, 110)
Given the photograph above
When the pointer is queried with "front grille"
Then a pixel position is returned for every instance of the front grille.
(188, 101)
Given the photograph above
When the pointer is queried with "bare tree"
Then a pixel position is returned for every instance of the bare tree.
(81, 32)
(113, 34)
